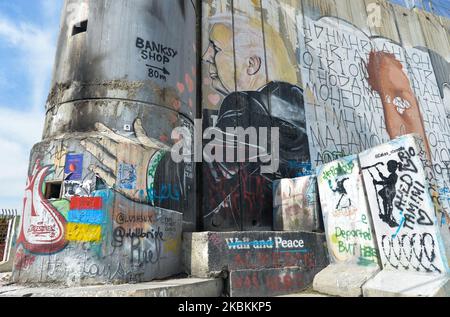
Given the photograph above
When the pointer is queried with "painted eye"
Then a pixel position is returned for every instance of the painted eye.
(215, 47)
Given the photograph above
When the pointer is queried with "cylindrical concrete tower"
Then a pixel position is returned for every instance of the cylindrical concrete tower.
(104, 201)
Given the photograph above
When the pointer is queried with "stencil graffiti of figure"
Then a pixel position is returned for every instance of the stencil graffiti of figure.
(340, 189)
(239, 74)
(387, 193)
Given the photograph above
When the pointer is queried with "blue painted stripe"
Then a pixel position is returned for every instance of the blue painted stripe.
(92, 217)
(295, 251)
(399, 226)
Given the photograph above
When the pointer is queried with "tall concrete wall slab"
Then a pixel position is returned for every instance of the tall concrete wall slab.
(296, 205)
(236, 34)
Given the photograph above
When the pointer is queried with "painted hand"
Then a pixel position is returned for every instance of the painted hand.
(112, 149)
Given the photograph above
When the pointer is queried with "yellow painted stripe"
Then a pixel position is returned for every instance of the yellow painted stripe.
(83, 233)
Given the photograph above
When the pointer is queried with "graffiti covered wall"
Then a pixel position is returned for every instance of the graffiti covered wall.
(250, 79)
(333, 82)
(95, 234)
(128, 81)
(104, 201)
(366, 91)
(345, 75)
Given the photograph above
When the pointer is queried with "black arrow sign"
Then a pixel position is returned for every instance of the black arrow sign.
(164, 70)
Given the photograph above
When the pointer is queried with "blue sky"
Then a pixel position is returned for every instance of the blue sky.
(440, 7)
(28, 36)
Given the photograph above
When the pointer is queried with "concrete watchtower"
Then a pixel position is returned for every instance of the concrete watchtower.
(104, 201)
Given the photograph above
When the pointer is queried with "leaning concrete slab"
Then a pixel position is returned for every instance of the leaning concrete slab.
(209, 253)
(349, 231)
(296, 204)
(269, 282)
(190, 287)
(345, 280)
(407, 284)
(411, 247)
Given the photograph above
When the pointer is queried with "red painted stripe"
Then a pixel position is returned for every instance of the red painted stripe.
(86, 203)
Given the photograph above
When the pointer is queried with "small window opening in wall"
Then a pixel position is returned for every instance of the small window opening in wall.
(53, 190)
(80, 28)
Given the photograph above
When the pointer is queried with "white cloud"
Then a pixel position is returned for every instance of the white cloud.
(19, 131)
(36, 50)
(51, 8)
(34, 46)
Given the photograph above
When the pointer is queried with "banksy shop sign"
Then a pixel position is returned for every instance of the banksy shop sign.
(157, 56)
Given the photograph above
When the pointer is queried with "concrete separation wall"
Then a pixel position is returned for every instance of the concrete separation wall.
(321, 71)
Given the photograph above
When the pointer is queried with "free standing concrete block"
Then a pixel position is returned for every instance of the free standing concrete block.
(344, 279)
(296, 205)
(407, 284)
(269, 282)
(349, 231)
(404, 219)
(214, 252)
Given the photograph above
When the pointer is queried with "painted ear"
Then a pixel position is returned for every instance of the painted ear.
(254, 65)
